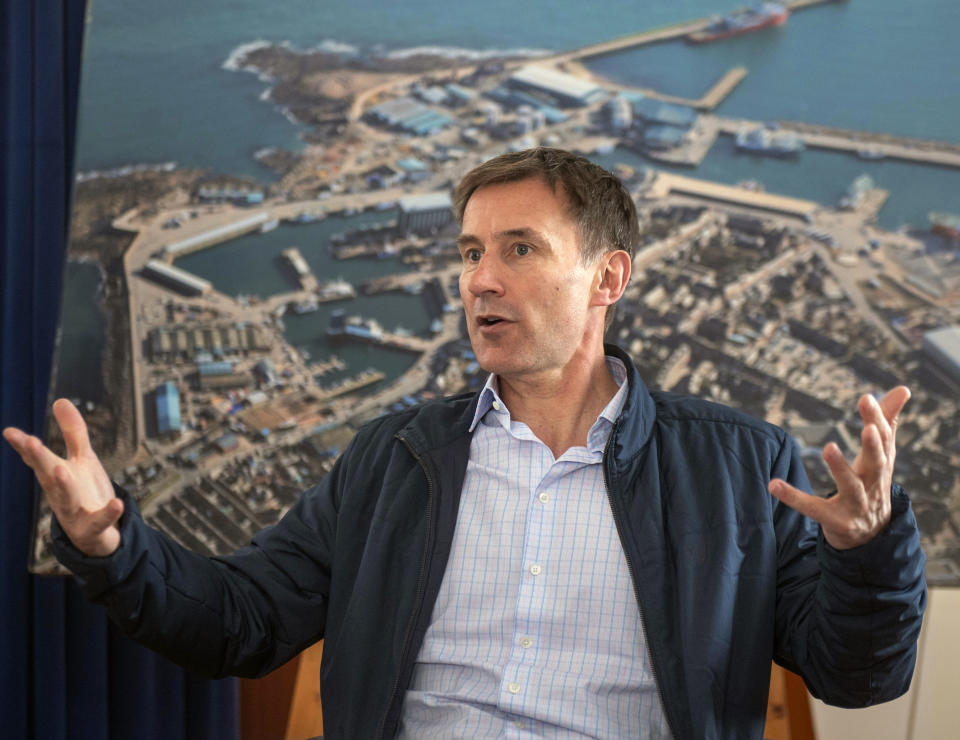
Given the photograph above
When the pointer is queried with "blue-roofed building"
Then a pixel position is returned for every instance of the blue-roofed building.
(663, 137)
(409, 115)
(459, 95)
(214, 368)
(659, 113)
(226, 442)
(432, 95)
(167, 398)
(413, 169)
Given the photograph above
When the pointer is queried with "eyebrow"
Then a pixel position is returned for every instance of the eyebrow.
(469, 240)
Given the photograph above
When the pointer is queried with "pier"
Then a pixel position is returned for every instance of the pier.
(921, 151)
(657, 35)
(367, 377)
(710, 100)
(322, 367)
(408, 282)
(229, 230)
(670, 184)
(301, 270)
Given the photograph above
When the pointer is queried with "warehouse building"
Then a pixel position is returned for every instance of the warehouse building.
(942, 346)
(409, 115)
(167, 399)
(565, 89)
(173, 277)
(424, 213)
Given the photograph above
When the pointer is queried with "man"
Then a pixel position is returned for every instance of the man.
(563, 554)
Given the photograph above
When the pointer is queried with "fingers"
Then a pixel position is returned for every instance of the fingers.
(884, 414)
(807, 504)
(893, 402)
(34, 453)
(73, 426)
(843, 475)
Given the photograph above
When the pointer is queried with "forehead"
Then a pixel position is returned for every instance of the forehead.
(531, 201)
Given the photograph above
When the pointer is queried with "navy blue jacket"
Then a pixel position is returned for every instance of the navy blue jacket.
(726, 577)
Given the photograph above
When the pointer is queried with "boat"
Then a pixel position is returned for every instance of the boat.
(308, 217)
(746, 20)
(302, 307)
(856, 192)
(754, 186)
(334, 289)
(945, 224)
(270, 225)
(871, 152)
(765, 140)
(343, 327)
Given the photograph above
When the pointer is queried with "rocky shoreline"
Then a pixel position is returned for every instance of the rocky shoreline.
(314, 85)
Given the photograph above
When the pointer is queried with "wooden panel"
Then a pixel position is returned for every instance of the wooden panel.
(265, 702)
(788, 708)
(306, 715)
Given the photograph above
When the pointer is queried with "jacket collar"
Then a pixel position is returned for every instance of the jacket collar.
(437, 424)
(634, 426)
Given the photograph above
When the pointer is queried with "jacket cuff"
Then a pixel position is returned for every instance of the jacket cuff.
(98, 574)
(885, 555)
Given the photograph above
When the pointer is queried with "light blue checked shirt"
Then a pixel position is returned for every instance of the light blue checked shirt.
(536, 630)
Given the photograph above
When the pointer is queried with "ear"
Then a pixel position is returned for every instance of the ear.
(612, 276)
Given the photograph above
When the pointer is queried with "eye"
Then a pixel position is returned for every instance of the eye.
(522, 249)
(472, 255)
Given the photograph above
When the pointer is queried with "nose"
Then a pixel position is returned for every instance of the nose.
(483, 277)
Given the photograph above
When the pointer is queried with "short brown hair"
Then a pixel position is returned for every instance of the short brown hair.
(599, 203)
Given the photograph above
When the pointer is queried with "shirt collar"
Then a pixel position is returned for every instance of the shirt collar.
(490, 401)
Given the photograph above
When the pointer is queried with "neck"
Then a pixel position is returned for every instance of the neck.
(561, 407)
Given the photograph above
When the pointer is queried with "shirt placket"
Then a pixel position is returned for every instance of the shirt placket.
(519, 689)
(523, 674)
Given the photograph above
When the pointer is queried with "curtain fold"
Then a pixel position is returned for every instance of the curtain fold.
(65, 671)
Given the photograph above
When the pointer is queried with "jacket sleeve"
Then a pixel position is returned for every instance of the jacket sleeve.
(243, 614)
(847, 620)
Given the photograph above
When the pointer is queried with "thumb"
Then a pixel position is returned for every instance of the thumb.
(106, 517)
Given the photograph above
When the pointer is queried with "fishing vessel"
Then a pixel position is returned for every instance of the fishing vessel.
(764, 140)
(746, 20)
(945, 224)
(857, 192)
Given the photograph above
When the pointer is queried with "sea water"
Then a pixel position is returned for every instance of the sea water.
(157, 87)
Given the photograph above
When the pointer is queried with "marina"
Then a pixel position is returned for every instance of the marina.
(727, 265)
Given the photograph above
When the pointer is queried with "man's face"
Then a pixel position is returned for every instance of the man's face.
(526, 294)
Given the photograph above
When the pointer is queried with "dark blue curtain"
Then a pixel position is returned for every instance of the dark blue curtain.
(65, 672)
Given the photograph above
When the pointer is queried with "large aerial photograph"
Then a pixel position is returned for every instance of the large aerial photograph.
(263, 252)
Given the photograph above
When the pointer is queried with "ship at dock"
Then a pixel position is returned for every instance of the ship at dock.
(747, 20)
(342, 327)
(946, 225)
(768, 141)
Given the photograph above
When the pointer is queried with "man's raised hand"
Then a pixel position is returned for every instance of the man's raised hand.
(77, 488)
(861, 508)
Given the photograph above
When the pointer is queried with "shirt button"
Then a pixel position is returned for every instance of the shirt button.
(513, 688)
(526, 642)
(496, 405)
(535, 569)
(519, 724)
(544, 497)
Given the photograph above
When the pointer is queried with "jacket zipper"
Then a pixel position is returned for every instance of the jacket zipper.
(633, 576)
(421, 578)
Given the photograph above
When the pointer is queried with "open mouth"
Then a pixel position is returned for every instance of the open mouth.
(489, 320)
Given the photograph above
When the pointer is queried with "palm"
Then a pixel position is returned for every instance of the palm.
(77, 487)
(861, 507)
